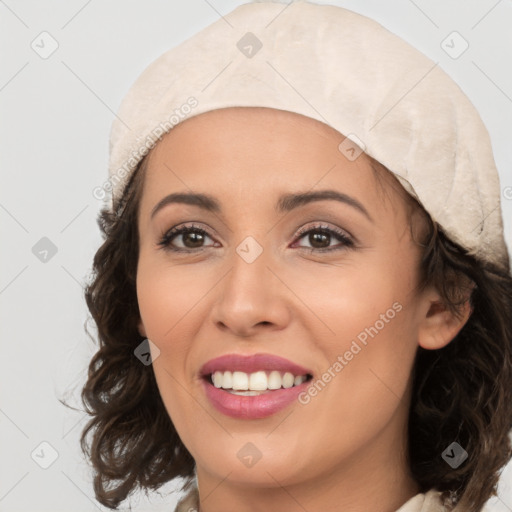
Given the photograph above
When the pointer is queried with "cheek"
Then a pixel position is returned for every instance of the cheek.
(166, 295)
(164, 302)
(346, 299)
(166, 299)
(371, 338)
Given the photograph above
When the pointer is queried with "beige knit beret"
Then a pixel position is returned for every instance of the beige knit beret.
(343, 69)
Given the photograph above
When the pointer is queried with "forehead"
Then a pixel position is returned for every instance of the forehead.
(245, 152)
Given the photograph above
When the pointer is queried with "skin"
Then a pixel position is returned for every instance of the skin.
(345, 449)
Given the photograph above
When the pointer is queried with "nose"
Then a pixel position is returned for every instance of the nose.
(251, 297)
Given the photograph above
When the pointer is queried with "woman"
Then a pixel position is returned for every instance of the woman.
(303, 298)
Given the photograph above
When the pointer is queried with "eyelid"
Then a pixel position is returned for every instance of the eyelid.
(323, 226)
(346, 239)
(174, 232)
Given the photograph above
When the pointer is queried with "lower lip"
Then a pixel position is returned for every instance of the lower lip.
(252, 407)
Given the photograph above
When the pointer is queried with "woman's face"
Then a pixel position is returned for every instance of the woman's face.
(325, 283)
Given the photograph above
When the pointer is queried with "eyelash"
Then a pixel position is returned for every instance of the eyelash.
(347, 242)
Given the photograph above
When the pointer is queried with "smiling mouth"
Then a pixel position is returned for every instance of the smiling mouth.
(255, 383)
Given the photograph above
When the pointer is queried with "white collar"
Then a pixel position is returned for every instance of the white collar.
(422, 502)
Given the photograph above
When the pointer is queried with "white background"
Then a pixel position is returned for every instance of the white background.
(55, 120)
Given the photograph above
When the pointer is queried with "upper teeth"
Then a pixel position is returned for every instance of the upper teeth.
(257, 381)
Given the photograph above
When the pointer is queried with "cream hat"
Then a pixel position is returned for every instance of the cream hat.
(343, 69)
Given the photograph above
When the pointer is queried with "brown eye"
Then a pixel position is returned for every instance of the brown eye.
(184, 238)
(320, 238)
(192, 239)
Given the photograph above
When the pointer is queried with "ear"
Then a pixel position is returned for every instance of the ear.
(438, 325)
(142, 329)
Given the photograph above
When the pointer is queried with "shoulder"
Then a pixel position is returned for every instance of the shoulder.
(423, 502)
(429, 502)
(189, 502)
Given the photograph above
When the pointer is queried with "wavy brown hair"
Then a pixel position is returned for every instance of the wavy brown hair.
(461, 393)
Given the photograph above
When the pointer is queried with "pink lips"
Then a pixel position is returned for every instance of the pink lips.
(251, 407)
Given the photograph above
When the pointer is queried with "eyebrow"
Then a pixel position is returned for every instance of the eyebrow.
(286, 202)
